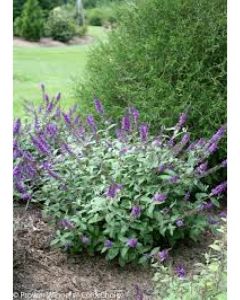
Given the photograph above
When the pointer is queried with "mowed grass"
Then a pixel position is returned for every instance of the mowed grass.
(54, 66)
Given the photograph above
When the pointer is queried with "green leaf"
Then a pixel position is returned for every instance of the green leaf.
(124, 252)
(113, 252)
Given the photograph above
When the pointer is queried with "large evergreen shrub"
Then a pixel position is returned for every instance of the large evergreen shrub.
(165, 57)
(30, 23)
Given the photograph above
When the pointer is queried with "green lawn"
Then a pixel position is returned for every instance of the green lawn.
(55, 67)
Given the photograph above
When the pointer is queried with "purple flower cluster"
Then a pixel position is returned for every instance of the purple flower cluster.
(202, 168)
(180, 223)
(67, 119)
(219, 189)
(16, 127)
(98, 106)
(136, 211)
(135, 114)
(158, 197)
(132, 243)
(51, 129)
(126, 123)
(113, 190)
(108, 244)
(163, 255)
(41, 144)
(143, 129)
(91, 123)
(185, 139)
(182, 120)
(180, 271)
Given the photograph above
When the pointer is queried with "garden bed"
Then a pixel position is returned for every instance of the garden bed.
(49, 42)
(39, 269)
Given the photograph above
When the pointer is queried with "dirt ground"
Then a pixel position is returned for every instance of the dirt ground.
(46, 273)
(41, 272)
(48, 42)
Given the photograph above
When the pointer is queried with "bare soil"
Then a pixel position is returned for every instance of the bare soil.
(49, 42)
(41, 272)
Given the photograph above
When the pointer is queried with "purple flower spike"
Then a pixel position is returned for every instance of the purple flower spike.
(212, 148)
(108, 244)
(85, 240)
(50, 107)
(218, 135)
(159, 197)
(77, 120)
(16, 127)
(182, 120)
(58, 97)
(163, 255)
(113, 190)
(20, 187)
(219, 189)
(41, 145)
(185, 139)
(51, 129)
(136, 211)
(132, 243)
(98, 106)
(66, 118)
(135, 114)
(91, 122)
(179, 223)
(46, 98)
(143, 132)
(26, 197)
(126, 124)
(180, 271)
(201, 169)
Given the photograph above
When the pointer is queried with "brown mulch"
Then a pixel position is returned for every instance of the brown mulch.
(49, 42)
(41, 272)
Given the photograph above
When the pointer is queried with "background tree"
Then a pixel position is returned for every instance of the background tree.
(31, 25)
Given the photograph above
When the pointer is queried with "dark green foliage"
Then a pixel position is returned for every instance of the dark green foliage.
(17, 8)
(30, 23)
(46, 6)
(164, 58)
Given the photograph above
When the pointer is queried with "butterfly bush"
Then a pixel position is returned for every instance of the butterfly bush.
(113, 187)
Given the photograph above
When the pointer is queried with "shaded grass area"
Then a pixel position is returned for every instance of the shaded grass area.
(53, 66)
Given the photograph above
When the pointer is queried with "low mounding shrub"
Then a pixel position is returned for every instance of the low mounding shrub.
(114, 188)
(102, 15)
(60, 26)
(207, 281)
(164, 59)
(29, 25)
